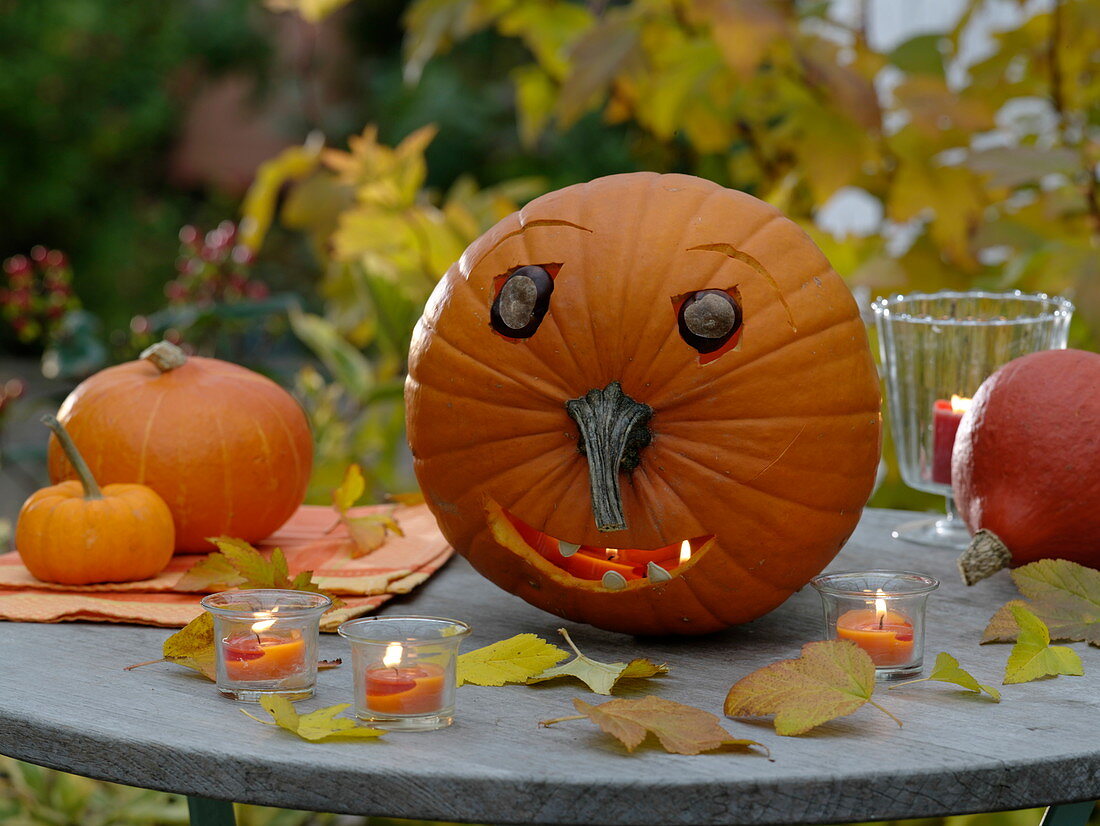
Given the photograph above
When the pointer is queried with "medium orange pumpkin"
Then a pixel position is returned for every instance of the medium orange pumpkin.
(228, 449)
(645, 403)
(76, 533)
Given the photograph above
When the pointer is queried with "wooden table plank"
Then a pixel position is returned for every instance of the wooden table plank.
(65, 702)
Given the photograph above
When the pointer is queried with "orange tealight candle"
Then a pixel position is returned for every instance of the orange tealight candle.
(411, 688)
(260, 656)
(886, 636)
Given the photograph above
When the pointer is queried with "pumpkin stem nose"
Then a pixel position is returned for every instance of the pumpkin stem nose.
(613, 432)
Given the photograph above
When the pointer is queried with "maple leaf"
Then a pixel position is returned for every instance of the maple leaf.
(514, 660)
(193, 646)
(680, 729)
(948, 670)
(319, 725)
(408, 500)
(247, 568)
(1033, 656)
(598, 676)
(1063, 594)
(831, 679)
(368, 533)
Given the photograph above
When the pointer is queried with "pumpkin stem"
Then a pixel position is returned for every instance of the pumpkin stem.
(164, 355)
(612, 434)
(986, 555)
(91, 487)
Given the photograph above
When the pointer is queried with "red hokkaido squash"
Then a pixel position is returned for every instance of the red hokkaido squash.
(227, 449)
(1025, 469)
(645, 403)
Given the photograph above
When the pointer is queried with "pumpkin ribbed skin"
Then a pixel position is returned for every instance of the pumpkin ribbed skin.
(771, 448)
(124, 537)
(1026, 462)
(227, 449)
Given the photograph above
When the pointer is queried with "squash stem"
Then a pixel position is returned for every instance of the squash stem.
(91, 487)
(164, 355)
(613, 431)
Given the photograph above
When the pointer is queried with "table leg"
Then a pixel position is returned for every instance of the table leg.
(1068, 814)
(207, 812)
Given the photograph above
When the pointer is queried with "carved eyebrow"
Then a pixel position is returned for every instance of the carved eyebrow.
(731, 251)
(538, 222)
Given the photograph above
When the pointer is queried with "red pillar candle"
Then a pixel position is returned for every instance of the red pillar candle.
(946, 416)
(886, 636)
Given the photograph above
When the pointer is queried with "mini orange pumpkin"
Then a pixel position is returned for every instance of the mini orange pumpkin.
(645, 403)
(228, 449)
(77, 534)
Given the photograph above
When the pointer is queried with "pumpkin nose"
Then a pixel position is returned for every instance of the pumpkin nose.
(613, 431)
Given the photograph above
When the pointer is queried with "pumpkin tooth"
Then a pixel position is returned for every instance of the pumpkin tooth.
(613, 581)
(567, 549)
(656, 573)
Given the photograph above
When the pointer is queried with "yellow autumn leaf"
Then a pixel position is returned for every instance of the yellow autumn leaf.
(193, 646)
(598, 676)
(350, 490)
(831, 679)
(1033, 656)
(316, 726)
(514, 660)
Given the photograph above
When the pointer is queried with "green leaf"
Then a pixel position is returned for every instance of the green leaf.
(831, 679)
(600, 677)
(1063, 594)
(349, 367)
(948, 670)
(317, 726)
(514, 660)
(1033, 656)
(920, 55)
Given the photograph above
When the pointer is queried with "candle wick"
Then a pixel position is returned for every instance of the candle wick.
(881, 620)
(259, 642)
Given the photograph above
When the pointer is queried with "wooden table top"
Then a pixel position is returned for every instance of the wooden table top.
(65, 702)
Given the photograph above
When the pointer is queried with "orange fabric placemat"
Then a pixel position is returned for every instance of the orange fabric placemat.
(397, 567)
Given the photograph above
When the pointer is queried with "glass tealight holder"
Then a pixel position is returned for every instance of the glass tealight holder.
(265, 642)
(404, 670)
(937, 349)
(880, 611)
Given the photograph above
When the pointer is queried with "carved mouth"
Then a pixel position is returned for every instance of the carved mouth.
(614, 568)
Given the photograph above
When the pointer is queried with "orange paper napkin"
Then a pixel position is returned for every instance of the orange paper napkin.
(397, 567)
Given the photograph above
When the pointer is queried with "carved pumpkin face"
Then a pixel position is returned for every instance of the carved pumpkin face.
(645, 403)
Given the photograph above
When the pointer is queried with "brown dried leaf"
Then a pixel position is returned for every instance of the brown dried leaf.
(831, 679)
(680, 729)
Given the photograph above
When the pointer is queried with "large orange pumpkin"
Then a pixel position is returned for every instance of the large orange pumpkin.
(227, 449)
(645, 403)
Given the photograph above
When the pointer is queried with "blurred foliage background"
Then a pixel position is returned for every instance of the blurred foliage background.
(282, 182)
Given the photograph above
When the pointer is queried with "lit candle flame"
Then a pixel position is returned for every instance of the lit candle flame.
(612, 553)
(262, 625)
(960, 404)
(394, 653)
(880, 606)
(685, 551)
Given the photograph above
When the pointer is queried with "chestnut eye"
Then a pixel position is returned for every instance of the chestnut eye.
(708, 319)
(522, 302)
